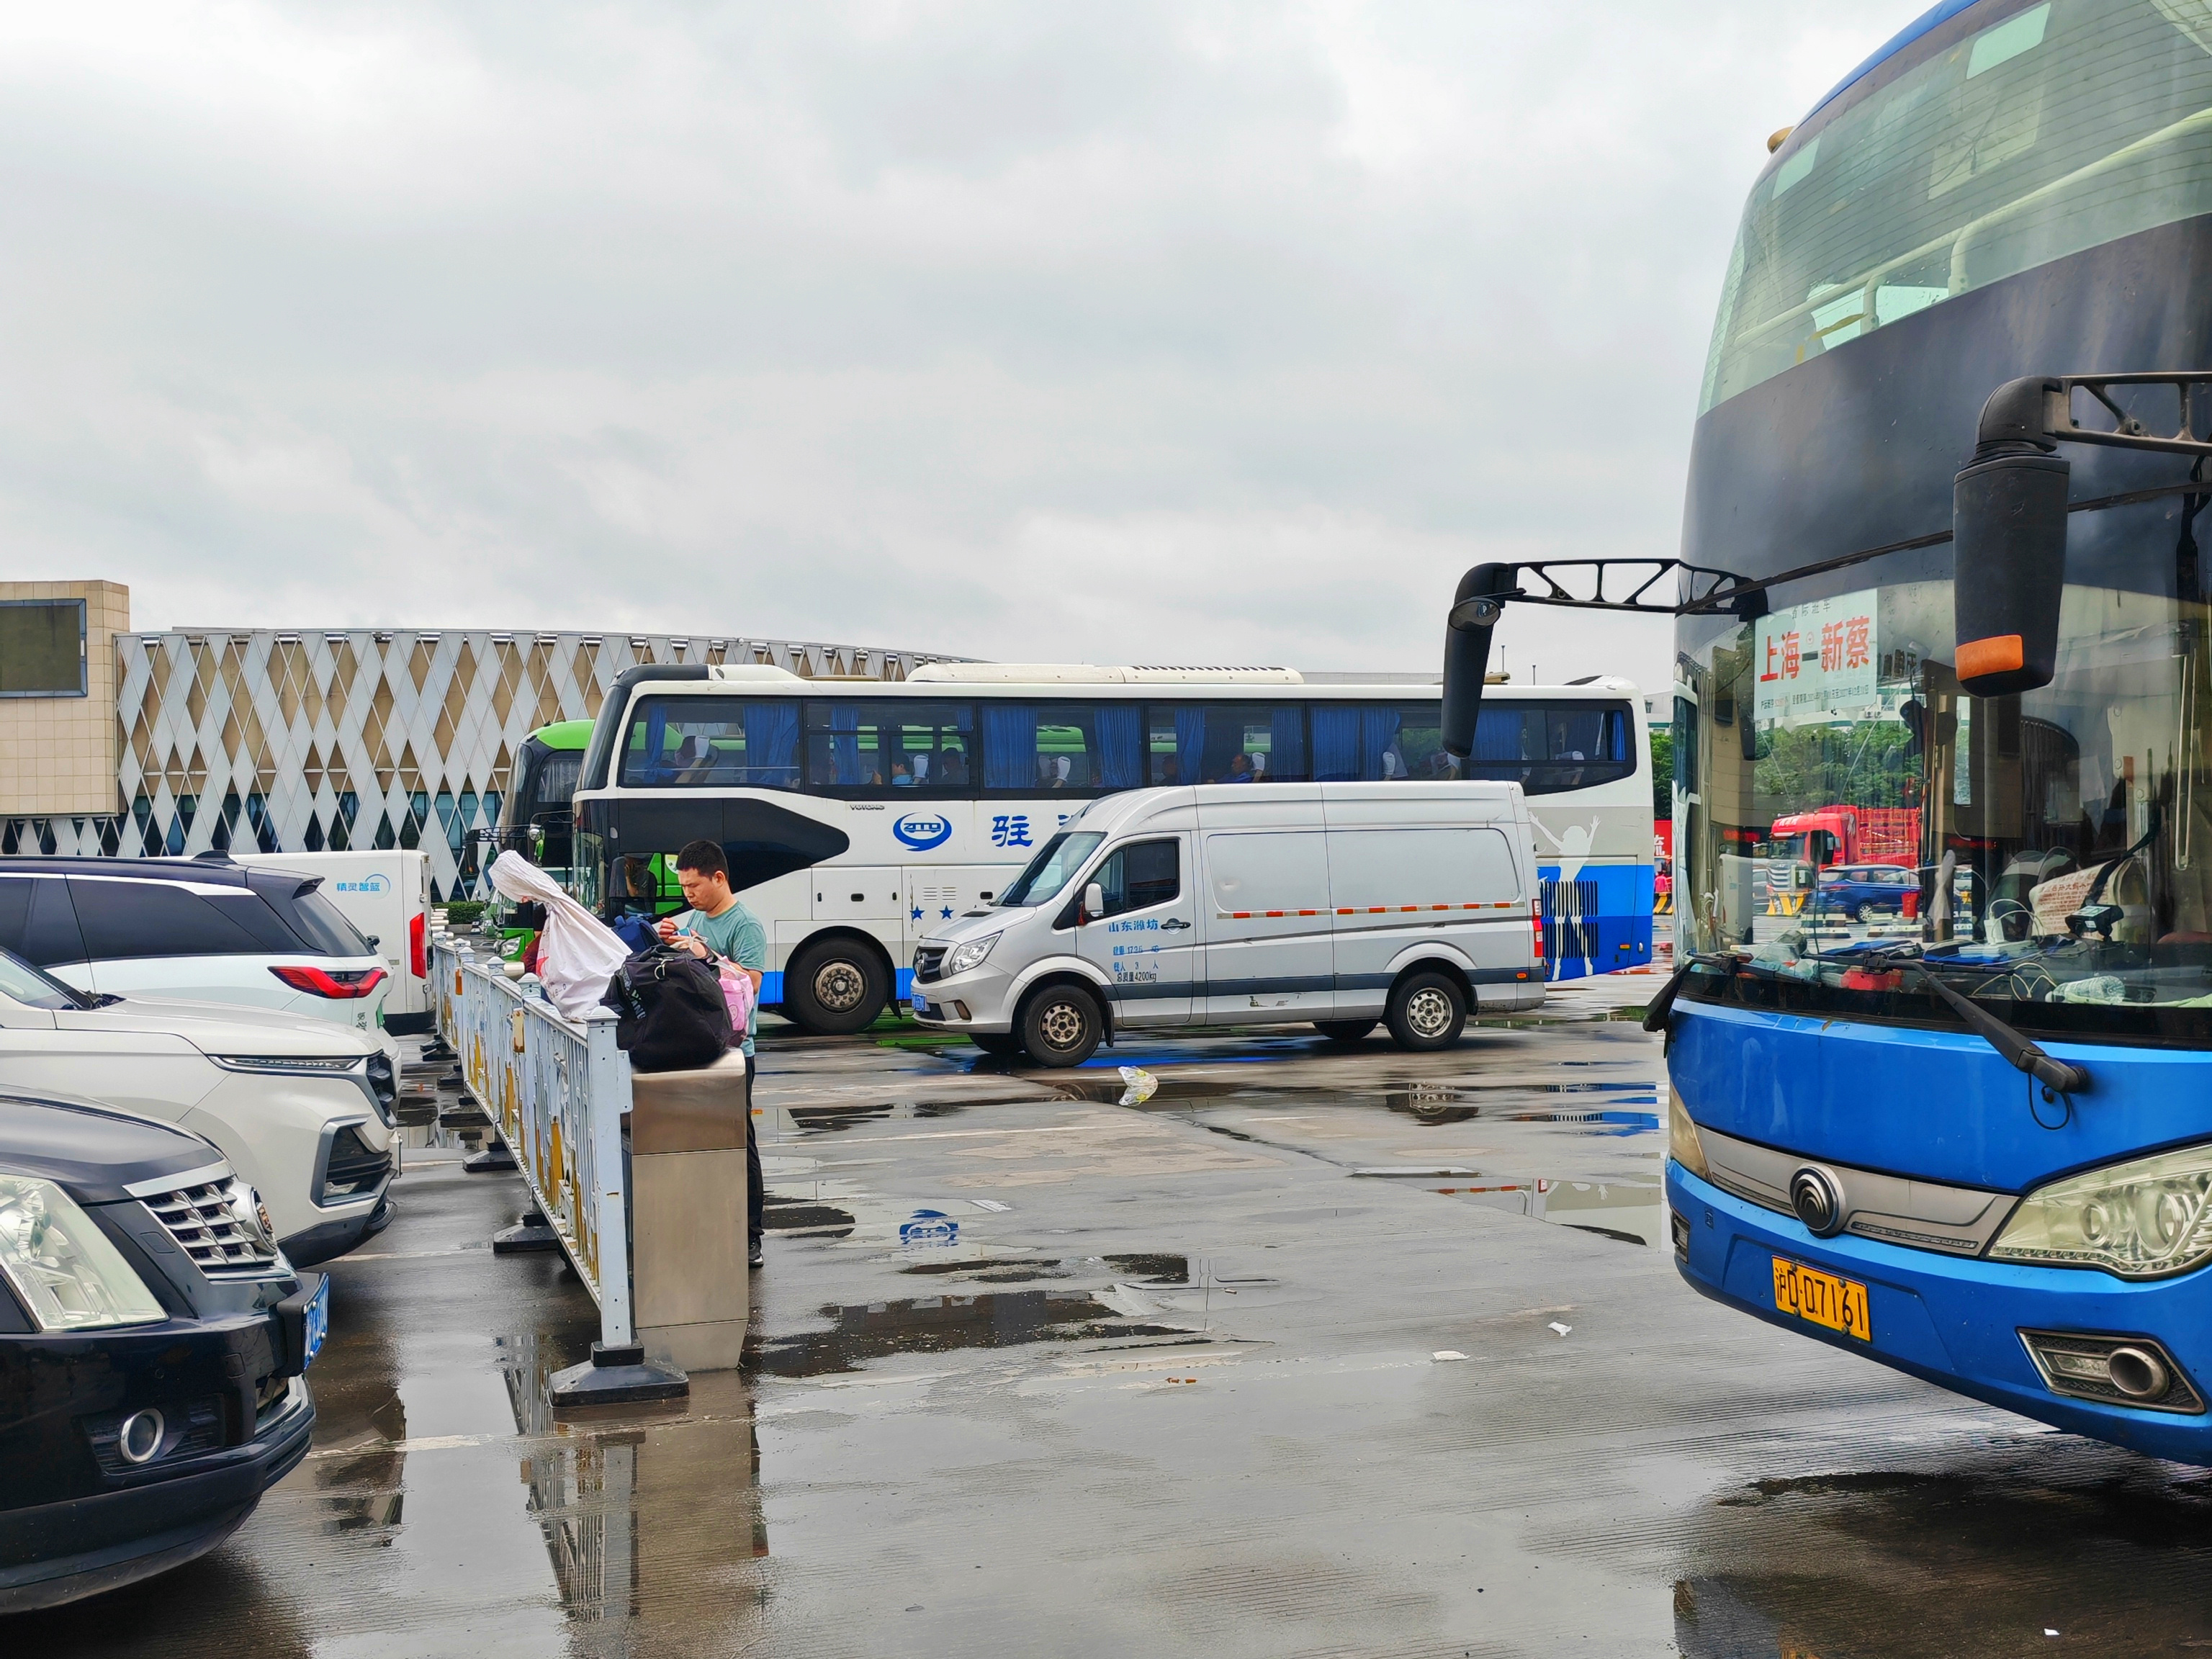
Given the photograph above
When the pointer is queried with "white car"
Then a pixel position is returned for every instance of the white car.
(300, 1108)
(205, 930)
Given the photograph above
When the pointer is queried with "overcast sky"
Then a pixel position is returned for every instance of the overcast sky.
(1181, 332)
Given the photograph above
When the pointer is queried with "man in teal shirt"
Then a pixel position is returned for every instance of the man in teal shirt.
(718, 928)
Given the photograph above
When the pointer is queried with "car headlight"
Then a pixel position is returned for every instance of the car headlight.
(962, 957)
(310, 1065)
(1682, 1143)
(62, 1266)
(2141, 1219)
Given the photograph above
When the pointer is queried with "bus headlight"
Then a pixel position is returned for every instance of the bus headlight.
(62, 1266)
(962, 957)
(2145, 1218)
(1682, 1143)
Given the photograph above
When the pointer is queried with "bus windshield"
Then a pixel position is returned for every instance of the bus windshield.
(1052, 869)
(2065, 125)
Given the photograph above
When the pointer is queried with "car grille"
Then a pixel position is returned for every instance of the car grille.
(929, 963)
(205, 1224)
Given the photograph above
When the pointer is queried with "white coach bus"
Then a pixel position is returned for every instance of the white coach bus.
(858, 816)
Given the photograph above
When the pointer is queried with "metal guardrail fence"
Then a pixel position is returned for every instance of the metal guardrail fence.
(556, 1092)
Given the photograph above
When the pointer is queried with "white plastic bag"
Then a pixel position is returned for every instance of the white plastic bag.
(577, 953)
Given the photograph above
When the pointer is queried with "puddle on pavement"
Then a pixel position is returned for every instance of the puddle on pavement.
(781, 1214)
(2070, 1543)
(830, 1120)
(939, 1324)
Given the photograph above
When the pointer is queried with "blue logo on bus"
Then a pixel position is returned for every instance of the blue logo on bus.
(923, 830)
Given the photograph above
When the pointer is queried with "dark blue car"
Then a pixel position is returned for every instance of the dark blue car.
(1863, 891)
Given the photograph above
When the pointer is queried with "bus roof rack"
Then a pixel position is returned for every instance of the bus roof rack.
(1083, 674)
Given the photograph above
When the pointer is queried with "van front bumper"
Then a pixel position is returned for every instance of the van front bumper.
(981, 999)
(1956, 1322)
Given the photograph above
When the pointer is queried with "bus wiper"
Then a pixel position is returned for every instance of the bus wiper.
(1654, 1016)
(2067, 1079)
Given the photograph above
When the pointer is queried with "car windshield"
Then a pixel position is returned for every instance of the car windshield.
(26, 984)
(1053, 867)
(2062, 127)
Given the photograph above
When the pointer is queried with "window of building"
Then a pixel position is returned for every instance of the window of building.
(42, 648)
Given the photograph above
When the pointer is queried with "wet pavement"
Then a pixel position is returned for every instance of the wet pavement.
(1314, 1351)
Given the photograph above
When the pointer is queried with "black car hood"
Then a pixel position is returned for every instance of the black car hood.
(92, 1152)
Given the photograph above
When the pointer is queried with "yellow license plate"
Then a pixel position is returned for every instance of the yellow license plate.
(1838, 1304)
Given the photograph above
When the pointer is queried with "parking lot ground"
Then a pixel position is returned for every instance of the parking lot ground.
(1314, 1350)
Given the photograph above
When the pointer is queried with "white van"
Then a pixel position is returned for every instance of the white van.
(387, 896)
(1334, 904)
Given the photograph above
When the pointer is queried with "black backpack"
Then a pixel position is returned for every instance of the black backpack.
(671, 1014)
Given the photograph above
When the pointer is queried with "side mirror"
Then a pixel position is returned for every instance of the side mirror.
(1094, 901)
(1476, 606)
(2008, 545)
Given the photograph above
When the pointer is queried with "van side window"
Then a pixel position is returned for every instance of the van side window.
(1141, 875)
(130, 919)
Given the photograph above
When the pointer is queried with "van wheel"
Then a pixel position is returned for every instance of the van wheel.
(1060, 1026)
(1426, 1011)
(1001, 1043)
(1344, 1031)
(834, 988)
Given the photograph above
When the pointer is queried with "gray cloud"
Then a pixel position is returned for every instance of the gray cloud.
(1150, 332)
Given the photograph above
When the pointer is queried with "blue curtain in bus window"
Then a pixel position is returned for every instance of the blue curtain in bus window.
(1191, 745)
(1335, 743)
(1615, 745)
(772, 744)
(1379, 754)
(1287, 744)
(1009, 745)
(1498, 737)
(1120, 728)
(845, 750)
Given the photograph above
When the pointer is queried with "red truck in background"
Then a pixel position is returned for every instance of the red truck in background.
(1830, 836)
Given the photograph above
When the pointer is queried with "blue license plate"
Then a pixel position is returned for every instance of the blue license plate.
(318, 1321)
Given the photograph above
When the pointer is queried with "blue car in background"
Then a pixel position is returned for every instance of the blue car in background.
(1863, 891)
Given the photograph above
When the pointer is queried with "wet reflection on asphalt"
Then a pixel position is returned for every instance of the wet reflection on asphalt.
(1236, 1371)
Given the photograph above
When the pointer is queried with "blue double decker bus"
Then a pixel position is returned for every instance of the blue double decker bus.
(1941, 566)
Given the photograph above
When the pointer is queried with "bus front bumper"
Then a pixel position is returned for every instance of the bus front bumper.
(1958, 1321)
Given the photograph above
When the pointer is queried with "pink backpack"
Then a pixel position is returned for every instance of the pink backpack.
(738, 992)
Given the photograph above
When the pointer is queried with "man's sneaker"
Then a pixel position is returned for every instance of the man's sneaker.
(755, 1257)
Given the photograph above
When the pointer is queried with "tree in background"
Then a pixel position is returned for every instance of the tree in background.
(1663, 772)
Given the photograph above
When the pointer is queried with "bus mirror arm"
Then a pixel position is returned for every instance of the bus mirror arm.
(2024, 1055)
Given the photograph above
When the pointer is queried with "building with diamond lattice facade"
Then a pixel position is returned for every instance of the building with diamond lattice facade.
(298, 740)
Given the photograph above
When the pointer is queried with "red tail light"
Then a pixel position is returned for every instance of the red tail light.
(346, 984)
(418, 954)
(1536, 918)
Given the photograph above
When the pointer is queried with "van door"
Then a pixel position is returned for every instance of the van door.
(1146, 941)
(1268, 946)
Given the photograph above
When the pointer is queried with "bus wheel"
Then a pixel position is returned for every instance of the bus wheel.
(1344, 1031)
(835, 986)
(1059, 1025)
(1005, 1044)
(1427, 1010)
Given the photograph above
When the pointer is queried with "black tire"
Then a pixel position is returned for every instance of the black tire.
(1863, 915)
(1003, 1044)
(1427, 1010)
(835, 986)
(1061, 1025)
(1346, 1031)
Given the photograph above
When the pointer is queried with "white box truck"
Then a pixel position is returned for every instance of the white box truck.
(387, 896)
(1338, 905)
